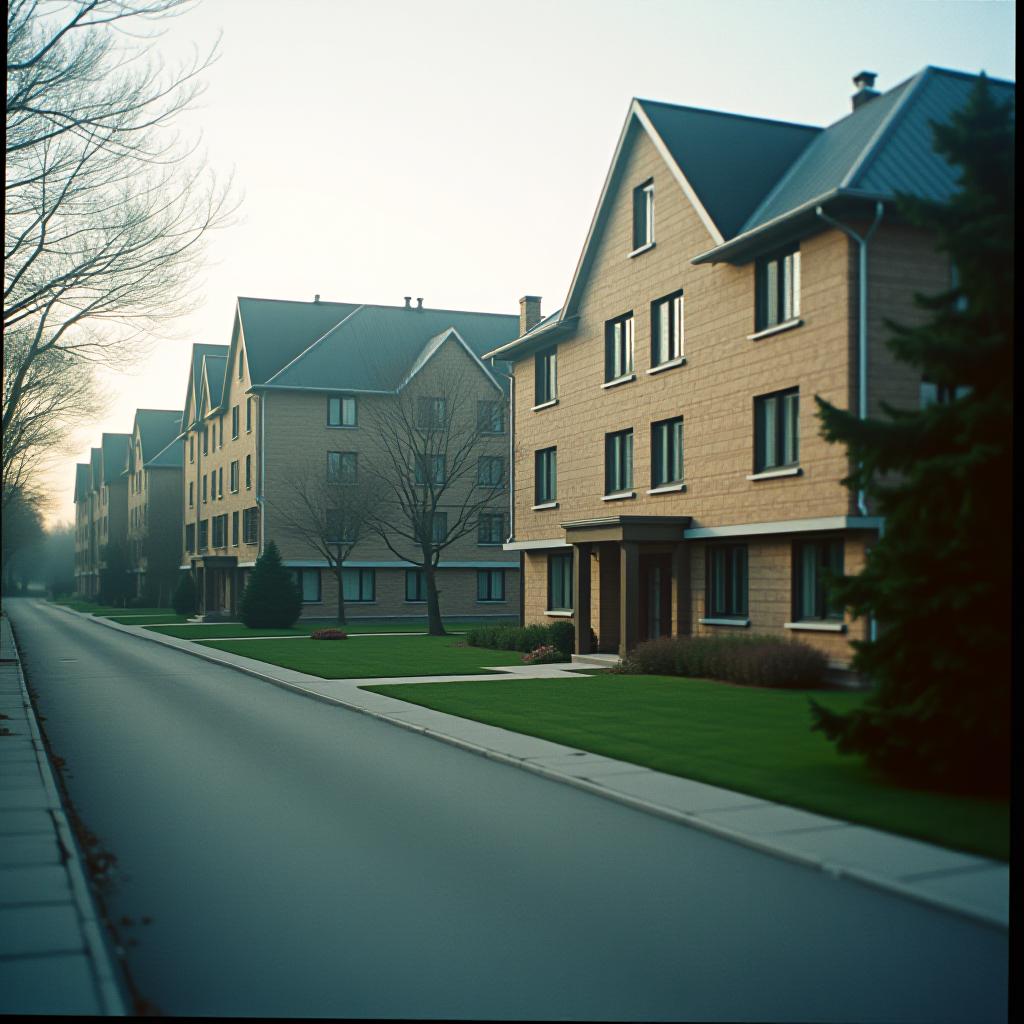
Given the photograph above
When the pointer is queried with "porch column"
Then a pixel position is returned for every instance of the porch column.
(629, 595)
(681, 624)
(581, 596)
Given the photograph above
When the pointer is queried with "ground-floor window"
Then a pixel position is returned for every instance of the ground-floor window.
(308, 582)
(415, 585)
(726, 591)
(358, 585)
(251, 524)
(813, 562)
(490, 585)
(560, 582)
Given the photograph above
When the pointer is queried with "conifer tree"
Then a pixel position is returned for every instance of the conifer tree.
(271, 597)
(938, 582)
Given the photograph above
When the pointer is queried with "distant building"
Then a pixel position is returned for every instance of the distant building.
(101, 509)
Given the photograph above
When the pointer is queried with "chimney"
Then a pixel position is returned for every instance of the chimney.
(529, 313)
(419, 303)
(316, 298)
(864, 81)
(408, 302)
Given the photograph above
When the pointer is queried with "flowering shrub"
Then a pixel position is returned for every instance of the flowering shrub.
(546, 654)
(328, 634)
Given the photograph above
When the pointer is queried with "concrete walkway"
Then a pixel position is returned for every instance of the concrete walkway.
(54, 956)
(974, 886)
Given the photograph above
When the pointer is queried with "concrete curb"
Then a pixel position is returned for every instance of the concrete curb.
(763, 845)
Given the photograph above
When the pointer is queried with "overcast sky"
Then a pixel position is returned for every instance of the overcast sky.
(455, 150)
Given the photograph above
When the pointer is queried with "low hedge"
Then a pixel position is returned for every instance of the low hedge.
(560, 635)
(748, 660)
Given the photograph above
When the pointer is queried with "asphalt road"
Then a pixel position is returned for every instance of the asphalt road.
(298, 859)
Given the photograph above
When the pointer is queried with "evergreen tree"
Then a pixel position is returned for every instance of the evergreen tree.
(116, 581)
(271, 597)
(185, 597)
(938, 581)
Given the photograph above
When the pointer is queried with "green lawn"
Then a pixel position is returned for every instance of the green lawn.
(751, 740)
(107, 611)
(371, 658)
(226, 630)
(135, 618)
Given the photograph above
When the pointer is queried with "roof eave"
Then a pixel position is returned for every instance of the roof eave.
(529, 342)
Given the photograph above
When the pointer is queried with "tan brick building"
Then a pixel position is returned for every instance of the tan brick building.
(295, 396)
(101, 509)
(670, 476)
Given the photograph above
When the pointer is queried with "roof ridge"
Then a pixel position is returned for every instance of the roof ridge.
(375, 305)
(291, 362)
(729, 113)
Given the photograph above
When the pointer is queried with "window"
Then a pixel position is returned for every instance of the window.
(213, 436)
(358, 585)
(430, 469)
(234, 529)
(560, 582)
(430, 413)
(234, 477)
(545, 475)
(308, 582)
(618, 462)
(813, 562)
(220, 531)
(192, 448)
(618, 347)
(190, 538)
(491, 528)
(241, 363)
(220, 431)
(643, 215)
(204, 488)
(248, 415)
(248, 472)
(204, 534)
(726, 590)
(777, 430)
(667, 452)
(490, 417)
(341, 467)
(941, 394)
(234, 422)
(341, 411)
(251, 525)
(490, 470)
(439, 527)
(667, 329)
(191, 493)
(490, 585)
(205, 439)
(777, 288)
(545, 376)
(220, 482)
(415, 585)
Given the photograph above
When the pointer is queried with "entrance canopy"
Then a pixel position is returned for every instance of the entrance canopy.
(638, 529)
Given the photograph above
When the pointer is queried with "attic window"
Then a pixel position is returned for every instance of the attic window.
(241, 363)
(643, 215)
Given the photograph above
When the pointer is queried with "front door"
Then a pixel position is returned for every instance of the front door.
(655, 596)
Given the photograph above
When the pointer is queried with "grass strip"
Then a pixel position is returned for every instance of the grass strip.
(232, 630)
(145, 620)
(750, 740)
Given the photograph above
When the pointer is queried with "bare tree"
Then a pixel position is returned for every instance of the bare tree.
(443, 468)
(106, 210)
(329, 511)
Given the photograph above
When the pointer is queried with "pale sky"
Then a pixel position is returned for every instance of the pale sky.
(455, 149)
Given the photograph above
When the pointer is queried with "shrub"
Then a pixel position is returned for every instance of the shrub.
(271, 597)
(546, 654)
(328, 634)
(748, 660)
(184, 600)
(559, 635)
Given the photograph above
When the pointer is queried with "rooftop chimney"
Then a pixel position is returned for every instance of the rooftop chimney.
(864, 80)
(419, 303)
(408, 302)
(316, 298)
(529, 313)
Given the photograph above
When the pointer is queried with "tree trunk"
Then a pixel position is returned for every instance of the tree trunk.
(341, 595)
(435, 627)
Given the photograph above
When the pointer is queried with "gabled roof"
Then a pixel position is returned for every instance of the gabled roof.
(171, 456)
(213, 379)
(374, 348)
(81, 481)
(114, 448)
(95, 468)
(433, 346)
(156, 429)
(195, 376)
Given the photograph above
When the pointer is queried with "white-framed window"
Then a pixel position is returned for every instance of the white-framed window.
(234, 477)
(248, 472)
(234, 422)
(545, 475)
(643, 214)
(618, 461)
(248, 415)
(667, 452)
(777, 287)
(777, 430)
(341, 411)
(618, 347)
(667, 329)
(545, 376)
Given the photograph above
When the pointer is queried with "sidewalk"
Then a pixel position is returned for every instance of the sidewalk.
(974, 886)
(54, 956)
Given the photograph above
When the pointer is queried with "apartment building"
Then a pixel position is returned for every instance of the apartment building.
(671, 479)
(294, 397)
(153, 471)
(83, 530)
(101, 510)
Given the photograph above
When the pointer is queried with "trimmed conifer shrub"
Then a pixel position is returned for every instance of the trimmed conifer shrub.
(184, 600)
(271, 597)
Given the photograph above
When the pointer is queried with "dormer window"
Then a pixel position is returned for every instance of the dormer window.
(643, 215)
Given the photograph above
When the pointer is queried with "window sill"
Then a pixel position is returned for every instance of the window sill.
(786, 325)
(489, 543)
(543, 505)
(342, 426)
(491, 600)
(771, 474)
(640, 249)
(668, 489)
(558, 614)
(619, 496)
(625, 379)
(669, 364)
(544, 405)
(819, 627)
(724, 622)
(407, 601)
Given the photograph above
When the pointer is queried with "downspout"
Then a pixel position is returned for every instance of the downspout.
(511, 460)
(862, 339)
(260, 493)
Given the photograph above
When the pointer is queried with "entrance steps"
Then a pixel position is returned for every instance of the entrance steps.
(595, 660)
